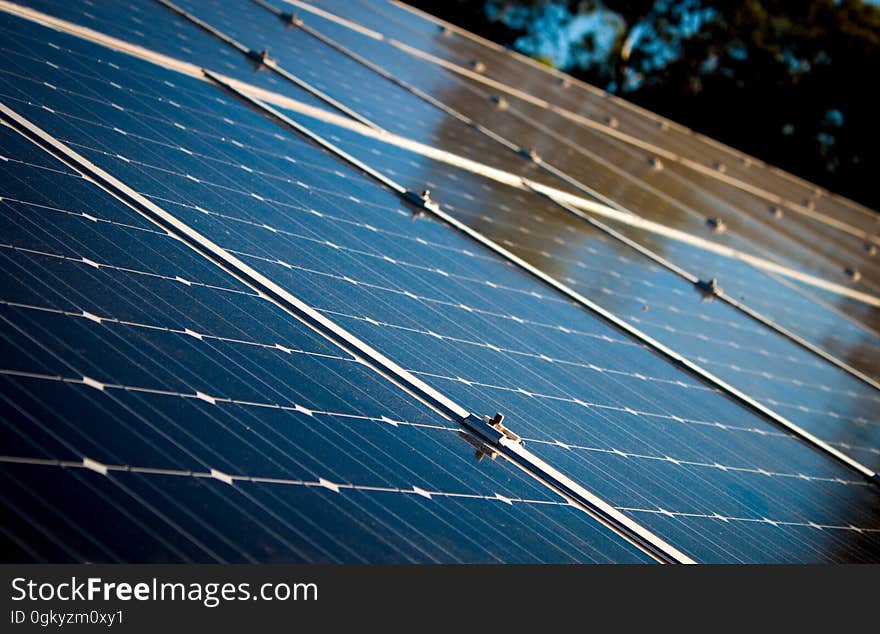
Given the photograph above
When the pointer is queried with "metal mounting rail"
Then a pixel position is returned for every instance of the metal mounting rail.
(491, 431)
(291, 19)
(261, 59)
(712, 287)
(424, 202)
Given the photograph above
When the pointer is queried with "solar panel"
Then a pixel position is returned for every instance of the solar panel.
(435, 81)
(616, 149)
(798, 384)
(175, 388)
(421, 34)
(661, 445)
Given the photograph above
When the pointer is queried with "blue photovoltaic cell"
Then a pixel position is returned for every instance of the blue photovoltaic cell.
(864, 321)
(824, 400)
(653, 441)
(189, 375)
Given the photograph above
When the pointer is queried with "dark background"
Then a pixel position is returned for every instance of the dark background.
(792, 83)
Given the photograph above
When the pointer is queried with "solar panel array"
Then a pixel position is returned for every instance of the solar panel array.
(290, 365)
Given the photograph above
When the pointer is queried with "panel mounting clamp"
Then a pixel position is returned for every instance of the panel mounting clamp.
(291, 19)
(259, 58)
(497, 423)
(716, 224)
(422, 200)
(708, 287)
(492, 431)
(500, 102)
(530, 153)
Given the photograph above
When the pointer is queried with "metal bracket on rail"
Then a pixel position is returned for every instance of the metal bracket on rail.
(497, 423)
(708, 288)
(422, 201)
(291, 20)
(493, 430)
(530, 153)
(260, 59)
